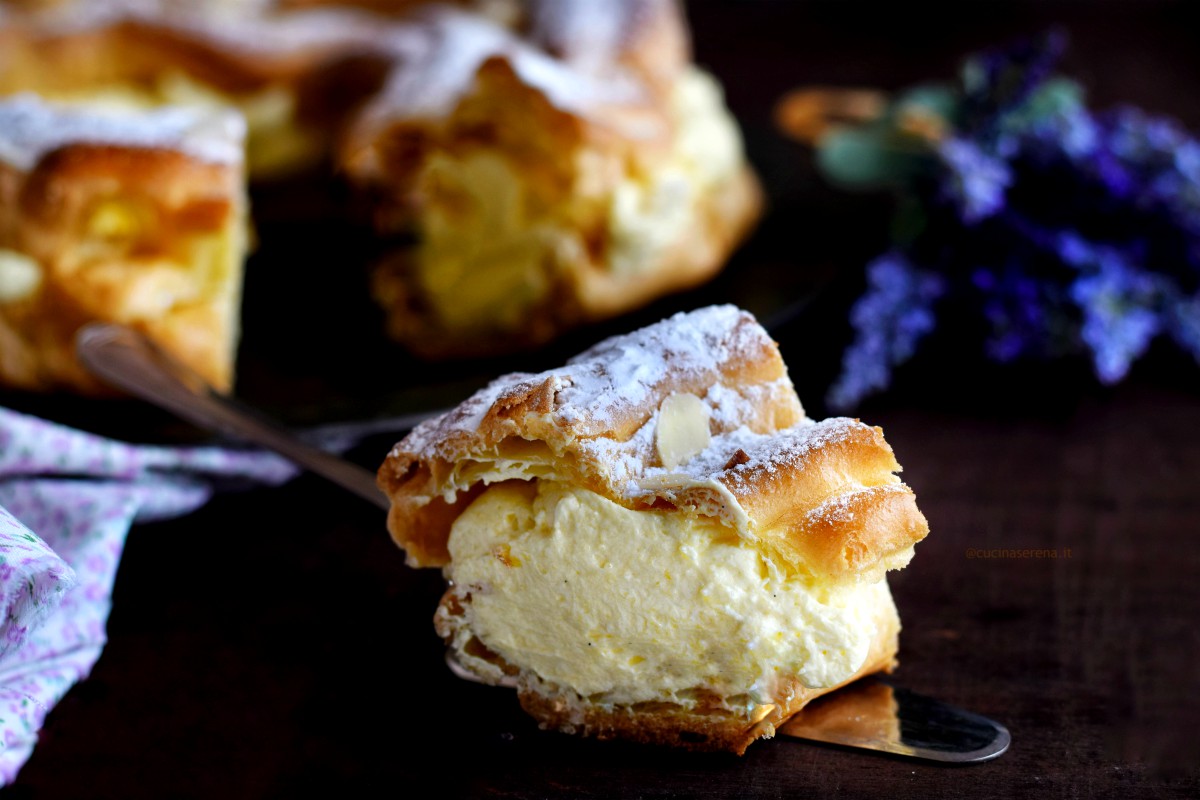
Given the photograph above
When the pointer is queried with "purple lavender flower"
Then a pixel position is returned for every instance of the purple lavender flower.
(1120, 317)
(1172, 178)
(1066, 231)
(1015, 309)
(1183, 322)
(974, 181)
(889, 319)
(995, 82)
(1140, 139)
(1071, 129)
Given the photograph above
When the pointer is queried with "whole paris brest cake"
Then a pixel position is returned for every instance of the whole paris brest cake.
(526, 166)
(653, 541)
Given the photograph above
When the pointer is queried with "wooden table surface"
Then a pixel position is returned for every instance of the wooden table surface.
(309, 664)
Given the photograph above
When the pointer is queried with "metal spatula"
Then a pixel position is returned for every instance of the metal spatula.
(870, 714)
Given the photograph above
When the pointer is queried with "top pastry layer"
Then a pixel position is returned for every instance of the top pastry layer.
(819, 497)
(31, 128)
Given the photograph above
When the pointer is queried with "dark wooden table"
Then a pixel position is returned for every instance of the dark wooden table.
(309, 665)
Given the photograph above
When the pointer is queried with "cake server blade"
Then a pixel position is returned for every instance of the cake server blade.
(869, 714)
(874, 714)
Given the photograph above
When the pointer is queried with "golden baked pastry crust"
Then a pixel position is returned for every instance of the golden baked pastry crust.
(818, 499)
(545, 192)
(579, 416)
(295, 77)
(558, 161)
(150, 233)
(792, 484)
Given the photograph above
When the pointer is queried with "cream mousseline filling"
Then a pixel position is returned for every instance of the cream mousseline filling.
(624, 606)
(492, 246)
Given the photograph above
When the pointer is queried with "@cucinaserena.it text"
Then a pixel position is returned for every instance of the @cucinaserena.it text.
(1018, 552)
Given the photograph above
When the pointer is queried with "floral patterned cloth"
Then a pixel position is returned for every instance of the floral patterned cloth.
(67, 501)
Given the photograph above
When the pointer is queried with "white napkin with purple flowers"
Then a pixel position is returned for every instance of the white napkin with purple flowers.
(67, 501)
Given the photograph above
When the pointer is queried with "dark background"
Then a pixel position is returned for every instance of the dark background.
(309, 665)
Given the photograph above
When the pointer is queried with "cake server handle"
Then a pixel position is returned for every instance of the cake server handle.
(131, 362)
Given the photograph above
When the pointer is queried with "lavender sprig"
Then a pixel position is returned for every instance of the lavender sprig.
(890, 318)
(1065, 230)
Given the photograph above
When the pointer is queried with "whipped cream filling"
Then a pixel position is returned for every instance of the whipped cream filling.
(20, 276)
(628, 606)
(492, 247)
(651, 210)
(485, 258)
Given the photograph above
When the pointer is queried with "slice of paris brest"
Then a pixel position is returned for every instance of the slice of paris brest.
(548, 176)
(138, 218)
(528, 166)
(654, 540)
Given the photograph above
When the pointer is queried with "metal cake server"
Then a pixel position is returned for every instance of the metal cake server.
(869, 714)
(874, 714)
(129, 361)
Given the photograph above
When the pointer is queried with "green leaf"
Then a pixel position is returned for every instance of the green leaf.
(870, 158)
(1055, 97)
(938, 99)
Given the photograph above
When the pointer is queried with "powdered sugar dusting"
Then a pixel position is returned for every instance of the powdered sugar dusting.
(440, 51)
(840, 508)
(790, 446)
(247, 27)
(620, 373)
(439, 59)
(739, 457)
(30, 128)
(620, 384)
(730, 408)
(617, 377)
(579, 30)
(428, 438)
(600, 413)
(436, 52)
